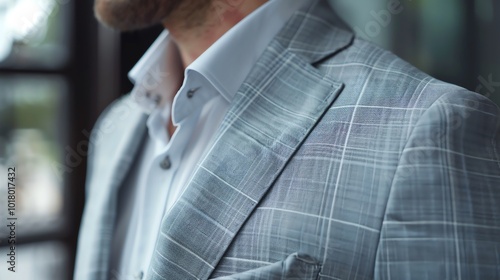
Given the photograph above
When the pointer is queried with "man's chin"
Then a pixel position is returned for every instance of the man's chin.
(121, 26)
(137, 14)
(126, 15)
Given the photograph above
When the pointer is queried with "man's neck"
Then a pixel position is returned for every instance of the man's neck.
(194, 39)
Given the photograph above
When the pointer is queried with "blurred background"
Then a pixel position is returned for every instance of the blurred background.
(59, 69)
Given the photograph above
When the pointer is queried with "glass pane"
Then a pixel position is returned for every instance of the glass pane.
(34, 33)
(441, 37)
(40, 261)
(488, 20)
(31, 128)
(369, 19)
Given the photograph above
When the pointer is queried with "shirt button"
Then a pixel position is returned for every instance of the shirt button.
(139, 275)
(165, 163)
(191, 92)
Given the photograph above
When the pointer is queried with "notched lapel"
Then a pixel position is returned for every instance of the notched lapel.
(273, 112)
(275, 109)
(117, 138)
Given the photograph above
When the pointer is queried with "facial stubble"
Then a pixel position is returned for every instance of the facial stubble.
(137, 14)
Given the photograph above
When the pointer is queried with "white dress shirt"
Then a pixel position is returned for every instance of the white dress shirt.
(165, 164)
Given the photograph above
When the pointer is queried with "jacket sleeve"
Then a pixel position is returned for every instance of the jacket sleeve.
(442, 219)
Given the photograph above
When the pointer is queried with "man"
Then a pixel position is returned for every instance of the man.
(277, 145)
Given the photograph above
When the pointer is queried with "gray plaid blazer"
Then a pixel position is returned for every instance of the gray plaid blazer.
(336, 160)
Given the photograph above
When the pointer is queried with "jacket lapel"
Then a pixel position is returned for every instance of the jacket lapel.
(118, 142)
(275, 109)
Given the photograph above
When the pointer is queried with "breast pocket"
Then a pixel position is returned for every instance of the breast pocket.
(297, 266)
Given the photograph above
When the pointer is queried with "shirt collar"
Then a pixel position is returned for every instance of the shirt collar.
(228, 61)
(224, 65)
(158, 74)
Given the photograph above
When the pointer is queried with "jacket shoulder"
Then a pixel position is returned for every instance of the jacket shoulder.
(114, 121)
(377, 77)
(115, 125)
